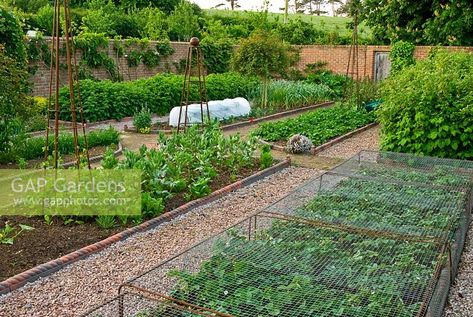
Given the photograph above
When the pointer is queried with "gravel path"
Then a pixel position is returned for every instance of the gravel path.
(460, 298)
(367, 140)
(86, 283)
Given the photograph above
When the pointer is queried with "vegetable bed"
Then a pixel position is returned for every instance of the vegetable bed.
(351, 246)
(320, 125)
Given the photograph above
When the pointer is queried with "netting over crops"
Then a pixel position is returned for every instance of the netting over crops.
(380, 235)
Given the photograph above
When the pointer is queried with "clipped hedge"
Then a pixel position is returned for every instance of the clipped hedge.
(428, 107)
(103, 100)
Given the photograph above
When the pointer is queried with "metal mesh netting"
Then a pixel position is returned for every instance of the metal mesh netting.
(270, 265)
(379, 235)
(409, 168)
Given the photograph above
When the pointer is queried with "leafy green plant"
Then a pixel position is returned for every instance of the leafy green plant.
(427, 107)
(108, 100)
(150, 58)
(185, 164)
(266, 158)
(401, 56)
(9, 233)
(142, 120)
(109, 161)
(263, 55)
(105, 222)
(320, 125)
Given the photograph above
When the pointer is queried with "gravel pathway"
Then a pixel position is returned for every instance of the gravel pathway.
(367, 140)
(89, 282)
(460, 298)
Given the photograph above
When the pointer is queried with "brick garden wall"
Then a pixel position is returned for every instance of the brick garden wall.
(335, 56)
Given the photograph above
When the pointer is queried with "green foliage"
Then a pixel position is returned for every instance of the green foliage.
(11, 36)
(266, 158)
(105, 222)
(107, 100)
(183, 22)
(319, 126)
(263, 55)
(109, 161)
(335, 82)
(94, 52)
(217, 54)
(421, 22)
(401, 56)
(142, 119)
(427, 108)
(12, 136)
(293, 94)
(33, 148)
(185, 164)
(9, 233)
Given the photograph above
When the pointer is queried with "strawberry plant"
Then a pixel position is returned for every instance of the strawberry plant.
(320, 125)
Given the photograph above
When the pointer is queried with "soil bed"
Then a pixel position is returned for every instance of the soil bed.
(37, 163)
(48, 242)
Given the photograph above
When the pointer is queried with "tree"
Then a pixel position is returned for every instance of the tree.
(432, 22)
(310, 6)
(263, 54)
(183, 22)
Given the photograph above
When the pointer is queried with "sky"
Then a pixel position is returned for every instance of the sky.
(275, 5)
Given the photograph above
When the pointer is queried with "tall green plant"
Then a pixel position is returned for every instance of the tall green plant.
(263, 54)
(401, 55)
(427, 108)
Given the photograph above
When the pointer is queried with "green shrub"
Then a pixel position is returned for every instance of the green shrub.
(401, 56)
(335, 81)
(11, 36)
(108, 100)
(427, 108)
(320, 125)
(142, 120)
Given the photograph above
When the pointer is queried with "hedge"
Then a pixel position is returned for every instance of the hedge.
(103, 100)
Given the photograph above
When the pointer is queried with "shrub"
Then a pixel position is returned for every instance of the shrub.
(108, 100)
(401, 56)
(142, 120)
(11, 36)
(319, 126)
(427, 108)
(335, 81)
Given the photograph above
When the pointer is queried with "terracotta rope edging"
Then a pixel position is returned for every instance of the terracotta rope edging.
(53, 266)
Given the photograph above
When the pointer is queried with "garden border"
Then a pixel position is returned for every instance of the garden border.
(317, 149)
(249, 122)
(46, 269)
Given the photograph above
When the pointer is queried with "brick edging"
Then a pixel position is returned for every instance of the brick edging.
(320, 148)
(237, 125)
(53, 266)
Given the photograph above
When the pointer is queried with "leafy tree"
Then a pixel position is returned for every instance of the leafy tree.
(183, 22)
(448, 22)
(166, 6)
(263, 54)
(401, 56)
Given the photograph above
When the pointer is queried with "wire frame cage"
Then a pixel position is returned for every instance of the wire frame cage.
(275, 265)
(379, 235)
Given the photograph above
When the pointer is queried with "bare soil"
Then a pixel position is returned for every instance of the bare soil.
(48, 242)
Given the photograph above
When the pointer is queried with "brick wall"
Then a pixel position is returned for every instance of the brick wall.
(335, 56)
(40, 79)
